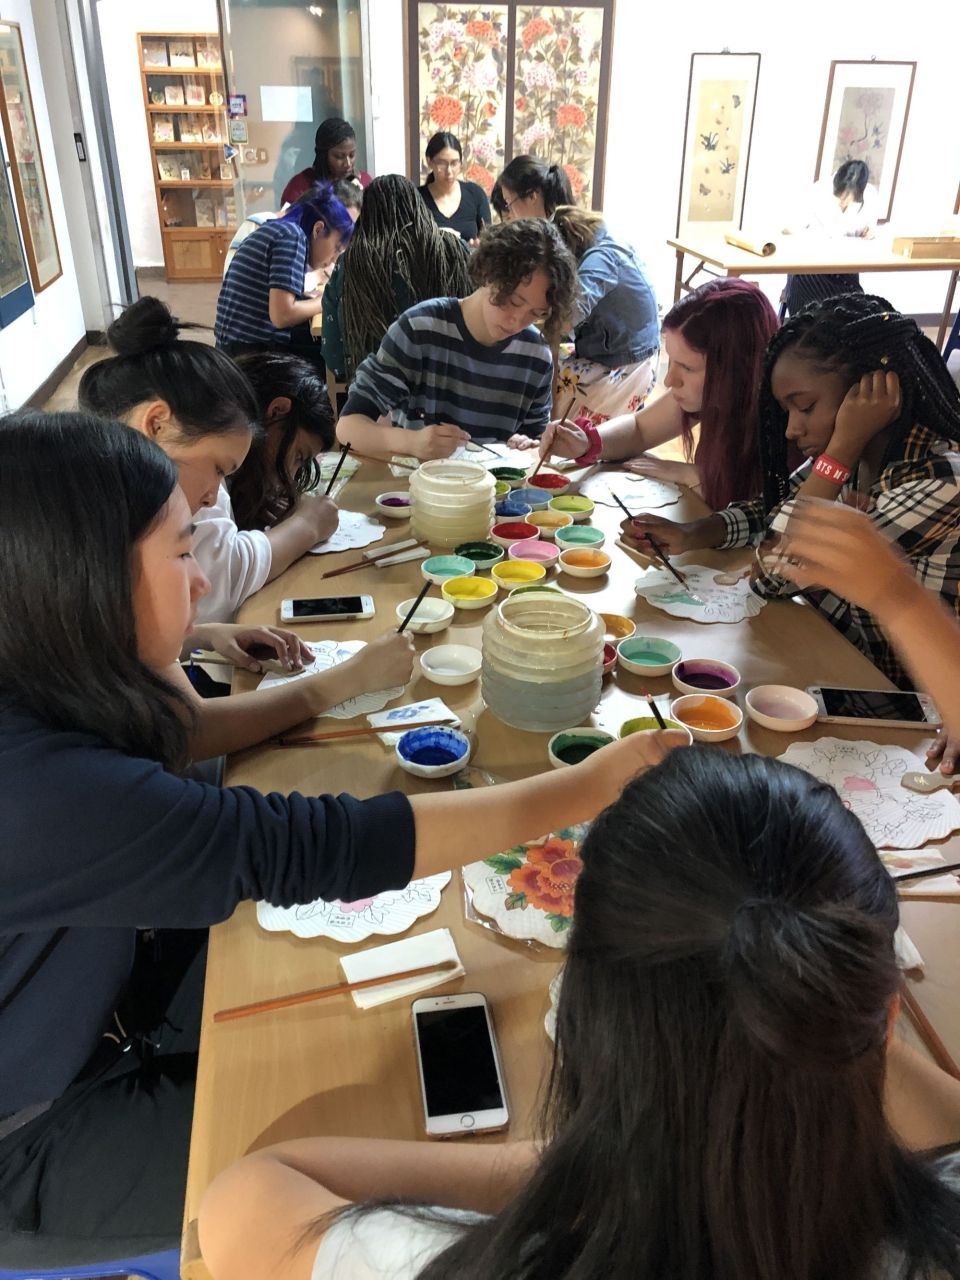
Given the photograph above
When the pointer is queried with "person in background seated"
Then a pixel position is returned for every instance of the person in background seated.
(846, 205)
(454, 204)
(263, 295)
(528, 188)
(715, 338)
(725, 1031)
(867, 398)
(477, 367)
(346, 190)
(397, 257)
(335, 154)
(101, 837)
(194, 402)
(264, 519)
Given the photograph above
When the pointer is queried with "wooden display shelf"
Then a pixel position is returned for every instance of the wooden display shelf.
(167, 110)
(181, 71)
(189, 146)
(194, 182)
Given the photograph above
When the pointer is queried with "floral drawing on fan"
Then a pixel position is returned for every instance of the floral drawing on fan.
(390, 912)
(463, 83)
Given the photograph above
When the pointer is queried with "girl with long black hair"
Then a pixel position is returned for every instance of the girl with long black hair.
(455, 203)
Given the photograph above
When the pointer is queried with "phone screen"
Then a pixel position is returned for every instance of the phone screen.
(327, 604)
(459, 1069)
(870, 704)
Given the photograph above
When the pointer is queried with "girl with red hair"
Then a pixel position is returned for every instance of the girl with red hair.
(715, 338)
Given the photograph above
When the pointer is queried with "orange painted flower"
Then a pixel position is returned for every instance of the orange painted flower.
(563, 43)
(521, 103)
(477, 173)
(577, 180)
(446, 112)
(570, 116)
(480, 29)
(535, 30)
(491, 110)
(549, 876)
(458, 52)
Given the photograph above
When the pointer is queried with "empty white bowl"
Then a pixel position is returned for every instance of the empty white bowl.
(709, 718)
(705, 675)
(436, 752)
(394, 505)
(432, 615)
(451, 663)
(781, 707)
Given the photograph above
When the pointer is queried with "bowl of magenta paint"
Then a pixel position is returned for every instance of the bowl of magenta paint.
(781, 707)
(434, 752)
(609, 657)
(705, 675)
(395, 505)
(648, 655)
(573, 746)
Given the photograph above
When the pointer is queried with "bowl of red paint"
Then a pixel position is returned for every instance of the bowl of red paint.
(507, 532)
(705, 675)
(552, 481)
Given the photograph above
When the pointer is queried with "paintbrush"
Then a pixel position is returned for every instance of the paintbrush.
(394, 549)
(928, 872)
(344, 450)
(481, 445)
(391, 462)
(416, 605)
(654, 708)
(321, 993)
(681, 578)
(563, 418)
(336, 735)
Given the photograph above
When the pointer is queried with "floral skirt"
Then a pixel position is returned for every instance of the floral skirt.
(601, 392)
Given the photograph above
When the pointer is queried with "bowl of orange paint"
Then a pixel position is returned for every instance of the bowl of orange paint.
(709, 718)
(584, 562)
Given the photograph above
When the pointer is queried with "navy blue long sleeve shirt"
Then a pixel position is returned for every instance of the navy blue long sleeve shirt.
(95, 844)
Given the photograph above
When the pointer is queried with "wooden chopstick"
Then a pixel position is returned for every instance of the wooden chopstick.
(943, 870)
(344, 450)
(321, 993)
(414, 607)
(389, 462)
(395, 549)
(335, 734)
(654, 708)
(928, 1033)
(563, 418)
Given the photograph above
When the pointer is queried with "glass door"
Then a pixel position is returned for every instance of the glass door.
(289, 67)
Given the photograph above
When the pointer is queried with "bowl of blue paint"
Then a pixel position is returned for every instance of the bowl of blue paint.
(648, 655)
(510, 509)
(434, 752)
(705, 675)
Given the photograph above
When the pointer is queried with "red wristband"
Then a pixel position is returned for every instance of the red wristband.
(595, 448)
(829, 469)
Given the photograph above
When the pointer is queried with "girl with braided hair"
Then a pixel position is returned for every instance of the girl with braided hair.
(715, 338)
(397, 257)
(725, 1036)
(867, 399)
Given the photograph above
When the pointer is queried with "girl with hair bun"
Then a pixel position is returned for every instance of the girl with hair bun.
(715, 1108)
(528, 188)
(866, 398)
(196, 404)
(715, 338)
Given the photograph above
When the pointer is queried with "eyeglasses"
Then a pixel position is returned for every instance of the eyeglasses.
(449, 165)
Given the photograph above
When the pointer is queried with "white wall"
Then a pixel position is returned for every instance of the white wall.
(35, 343)
(650, 70)
(120, 21)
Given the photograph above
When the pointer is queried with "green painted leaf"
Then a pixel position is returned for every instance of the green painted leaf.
(558, 923)
(516, 900)
(503, 863)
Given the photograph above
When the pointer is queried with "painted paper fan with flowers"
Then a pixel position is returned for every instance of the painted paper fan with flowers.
(527, 891)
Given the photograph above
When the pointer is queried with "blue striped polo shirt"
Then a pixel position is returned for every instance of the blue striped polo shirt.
(431, 369)
(272, 257)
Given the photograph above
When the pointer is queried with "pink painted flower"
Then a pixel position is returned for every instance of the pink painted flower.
(570, 116)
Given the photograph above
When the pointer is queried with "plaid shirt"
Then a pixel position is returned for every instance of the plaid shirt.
(915, 501)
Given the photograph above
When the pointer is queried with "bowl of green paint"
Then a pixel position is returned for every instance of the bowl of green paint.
(573, 746)
(648, 655)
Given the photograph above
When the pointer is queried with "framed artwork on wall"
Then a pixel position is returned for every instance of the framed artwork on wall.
(511, 79)
(26, 162)
(721, 102)
(16, 296)
(865, 118)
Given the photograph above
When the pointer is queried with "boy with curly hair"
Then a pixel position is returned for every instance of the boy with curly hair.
(479, 367)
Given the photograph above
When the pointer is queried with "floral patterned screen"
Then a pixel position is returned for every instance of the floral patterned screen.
(511, 79)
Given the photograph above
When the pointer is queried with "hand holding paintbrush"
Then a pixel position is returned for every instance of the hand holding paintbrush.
(550, 438)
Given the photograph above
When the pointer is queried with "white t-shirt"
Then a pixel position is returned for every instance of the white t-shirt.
(828, 219)
(386, 1244)
(236, 563)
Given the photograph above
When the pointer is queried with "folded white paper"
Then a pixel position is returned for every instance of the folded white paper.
(434, 947)
(908, 957)
(412, 713)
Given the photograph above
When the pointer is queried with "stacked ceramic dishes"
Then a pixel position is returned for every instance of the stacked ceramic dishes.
(542, 661)
(451, 502)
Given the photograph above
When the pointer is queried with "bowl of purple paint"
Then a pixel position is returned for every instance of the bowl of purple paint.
(396, 505)
(705, 675)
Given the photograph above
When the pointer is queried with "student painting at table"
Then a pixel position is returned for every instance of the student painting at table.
(715, 1106)
(265, 520)
(528, 188)
(481, 366)
(867, 399)
(262, 297)
(715, 338)
(101, 836)
(454, 204)
(193, 401)
(335, 157)
(397, 257)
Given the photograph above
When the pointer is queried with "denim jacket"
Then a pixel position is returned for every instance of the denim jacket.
(616, 321)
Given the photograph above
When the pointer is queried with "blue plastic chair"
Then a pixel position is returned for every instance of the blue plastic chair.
(151, 1266)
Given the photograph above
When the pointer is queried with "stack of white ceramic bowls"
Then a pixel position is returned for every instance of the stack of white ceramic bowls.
(451, 502)
(542, 661)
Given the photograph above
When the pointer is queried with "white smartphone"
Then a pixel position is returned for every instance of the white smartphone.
(461, 1079)
(327, 609)
(889, 707)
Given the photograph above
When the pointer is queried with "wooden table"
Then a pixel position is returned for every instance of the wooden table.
(329, 1068)
(806, 255)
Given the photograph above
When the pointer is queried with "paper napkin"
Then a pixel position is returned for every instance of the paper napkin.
(411, 953)
(412, 713)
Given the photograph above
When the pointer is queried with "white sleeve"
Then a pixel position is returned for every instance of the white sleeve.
(236, 563)
(387, 1244)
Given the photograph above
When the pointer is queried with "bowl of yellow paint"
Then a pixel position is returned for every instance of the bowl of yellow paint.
(517, 573)
(468, 593)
